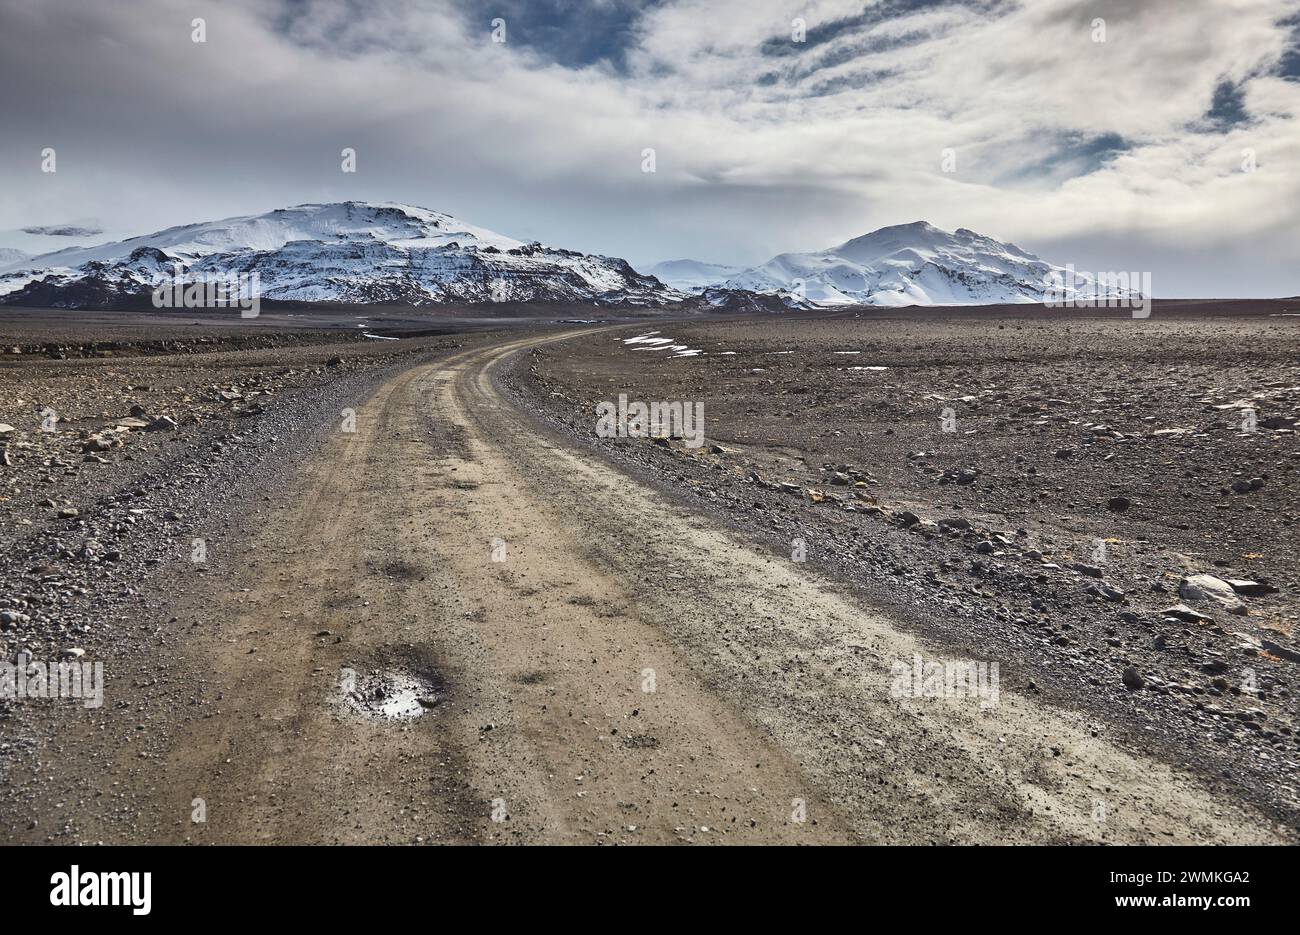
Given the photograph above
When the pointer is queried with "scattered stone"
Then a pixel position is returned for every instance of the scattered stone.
(1106, 591)
(98, 443)
(959, 476)
(1200, 589)
(1186, 614)
(1251, 588)
(12, 618)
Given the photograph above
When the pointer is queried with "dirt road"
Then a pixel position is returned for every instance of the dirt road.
(563, 655)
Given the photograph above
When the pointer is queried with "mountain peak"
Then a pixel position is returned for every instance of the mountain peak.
(907, 264)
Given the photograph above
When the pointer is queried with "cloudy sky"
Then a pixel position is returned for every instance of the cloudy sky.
(775, 125)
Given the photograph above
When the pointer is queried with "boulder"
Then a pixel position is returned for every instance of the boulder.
(1202, 589)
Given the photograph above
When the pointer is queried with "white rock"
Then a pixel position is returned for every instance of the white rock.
(1207, 588)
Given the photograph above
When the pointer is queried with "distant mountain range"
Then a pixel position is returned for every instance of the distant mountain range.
(386, 253)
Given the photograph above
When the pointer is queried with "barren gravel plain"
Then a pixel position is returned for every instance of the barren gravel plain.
(1067, 497)
(353, 590)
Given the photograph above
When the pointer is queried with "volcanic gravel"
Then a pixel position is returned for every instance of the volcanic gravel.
(1047, 494)
(106, 519)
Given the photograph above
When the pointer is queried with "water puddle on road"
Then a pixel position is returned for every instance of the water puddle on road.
(386, 695)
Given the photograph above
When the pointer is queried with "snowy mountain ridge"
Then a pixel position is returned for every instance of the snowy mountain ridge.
(350, 252)
(357, 252)
(912, 264)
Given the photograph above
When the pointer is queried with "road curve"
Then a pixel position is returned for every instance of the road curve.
(628, 673)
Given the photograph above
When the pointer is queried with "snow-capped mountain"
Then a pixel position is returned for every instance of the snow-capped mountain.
(350, 252)
(911, 264)
(692, 275)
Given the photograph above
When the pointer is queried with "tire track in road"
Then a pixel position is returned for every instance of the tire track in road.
(675, 763)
